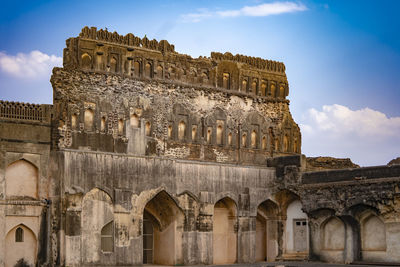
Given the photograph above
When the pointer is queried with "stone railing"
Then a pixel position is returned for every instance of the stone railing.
(24, 111)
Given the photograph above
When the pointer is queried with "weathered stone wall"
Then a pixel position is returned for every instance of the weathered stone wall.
(132, 181)
(146, 118)
(364, 203)
(25, 135)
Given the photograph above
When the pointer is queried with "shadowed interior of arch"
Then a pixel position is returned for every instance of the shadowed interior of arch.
(266, 231)
(162, 231)
(224, 232)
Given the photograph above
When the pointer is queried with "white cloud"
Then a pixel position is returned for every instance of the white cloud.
(33, 65)
(260, 10)
(263, 10)
(340, 120)
(196, 17)
(368, 136)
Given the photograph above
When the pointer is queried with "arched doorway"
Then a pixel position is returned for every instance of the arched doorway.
(162, 231)
(266, 231)
(224, 232)
(20, 244)
(296, 228)
(97, 226)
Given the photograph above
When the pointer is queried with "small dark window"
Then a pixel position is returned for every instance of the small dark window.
(107, 242)
(19, 235)
(298, 223)
(304, 223)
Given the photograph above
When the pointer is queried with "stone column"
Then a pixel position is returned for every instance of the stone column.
(246, 239)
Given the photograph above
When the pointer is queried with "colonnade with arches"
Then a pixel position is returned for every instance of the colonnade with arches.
(179, 229)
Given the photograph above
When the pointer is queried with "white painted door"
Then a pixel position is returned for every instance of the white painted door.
(300, 235)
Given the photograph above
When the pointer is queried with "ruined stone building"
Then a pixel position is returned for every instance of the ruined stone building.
(151, 156)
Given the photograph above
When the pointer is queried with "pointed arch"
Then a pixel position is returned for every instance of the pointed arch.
(113, 64)
(373, 233)
(163, 225)
(266, 231)
(26, 248)
(333, 234)
(224, 231)
(21, 179)
(97, 212)
(86, 61)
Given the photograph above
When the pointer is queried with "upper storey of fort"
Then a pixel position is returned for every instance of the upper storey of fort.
(137, 96)
(131, 56)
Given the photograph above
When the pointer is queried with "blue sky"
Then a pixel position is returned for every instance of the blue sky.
(342, 57)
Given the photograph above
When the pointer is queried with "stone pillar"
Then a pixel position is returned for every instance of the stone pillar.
(205, 239)
(352, 240)
(246, 239)
(189, 239)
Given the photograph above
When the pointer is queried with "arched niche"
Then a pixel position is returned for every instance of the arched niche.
(86, 61)
(147, 128)
(296, 228)
(159, 72)
(333, 234)
(136, 68)
(209, 135)
(230, 139)
(21, 180)
(244, 139)
(25, 247)
(134, 120)
(254, 87)
(281, 91)
(373, 234)
(162, 231)
(226, 80)
(181, 130)
(103, 124)
(147, 70)
(253, 139)
(169, 131)
(272, 90)
(220, 134)
(264, 142)
(266, 231)
(113, 64)
(97, 212)
(244, 85)
(263, 88)
(224, 232)
(74, 121)
(285, 143)
(120, 126)
(194, 132)
(88, 119)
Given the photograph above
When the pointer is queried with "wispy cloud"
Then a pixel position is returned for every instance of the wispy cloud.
(364, 135)
(30, 66)
(261, 10)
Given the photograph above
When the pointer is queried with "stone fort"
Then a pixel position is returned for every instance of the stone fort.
(149, 156)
